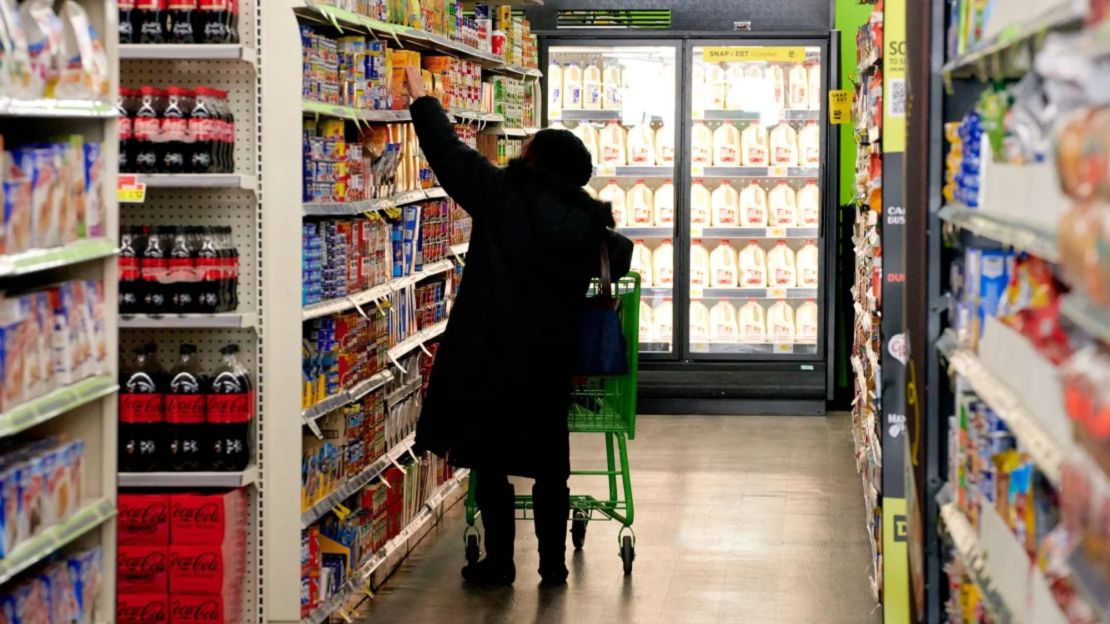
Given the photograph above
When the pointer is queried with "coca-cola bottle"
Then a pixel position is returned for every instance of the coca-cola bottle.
(147, 130)
(181, 19)
(203, 128)
(181, 278)
(142, 412)
(126, 105)
(153, 267)
(185, 408)
(230, 412)
(128, 18)
(216, 19)
(152, 20)
(231, 272)
(226, 158)
(177, 144)
(130, 297)
(209, 269)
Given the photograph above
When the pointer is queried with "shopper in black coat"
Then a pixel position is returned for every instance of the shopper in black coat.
(500, 387)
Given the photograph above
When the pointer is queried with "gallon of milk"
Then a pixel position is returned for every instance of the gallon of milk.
(809, 205)
(781, 267)
(752, 323)
(726, 146)
(641, 146)
(590, 138)
(753, 206)
(615, 196)
(753, 266)
(809, 145)
(697, 88)
(641, 212)
(700, 204)
(554, 91)
(591, 86)
(641, 263)
(715, 87)
(815, 90)
(777, 78)
(726, 206)
(780, 322)
(784, 145)
(647, 328)
(590, 191)
(808, 265)
(664, 146)
(699, 265)
(663, 325)
(783, 206)
(699, 322)
(753, 146)
(722, 323)
(722, 266)
(701, 144)
(739, 92)
(572, 87)
(613, 145)
(805, 322)
(613, 87)
(662, 265)
(797, 94)
(663, 205)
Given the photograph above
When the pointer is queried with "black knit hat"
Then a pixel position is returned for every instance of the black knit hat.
(561, 154)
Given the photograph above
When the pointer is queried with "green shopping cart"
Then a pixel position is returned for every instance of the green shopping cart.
(605, 405)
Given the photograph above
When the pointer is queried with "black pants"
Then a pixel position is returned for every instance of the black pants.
(551, 499)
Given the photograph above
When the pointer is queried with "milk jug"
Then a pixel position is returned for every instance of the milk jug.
(784, 146)
(752, 323)
(572, 87)
(753, 146)
(640, 208)
(808, 265)
(662, 265)
(700, 203)
(641, 146)
(613, 87)
(784, 206)
(701, 144)
(722, 322)
(805, 322)
(726, 206)
(699, 322)
(663, 206)
(815, 90)
(591, 87)
(613, 145)
(809, 145)
(777, 78)
(780, 322)
(590, 191)
(797, 95)
(738, 94)
(726, 146)
(646, 324)
(753, 206)
(753, 266)
(641, 263)
(555, 91)
(781, 268)
(697, 88)
(809, 205)
(722, 266)
(663, 318)
(715, 87)
(699, 265)
(589, 137)
(615, 196)
(664, 146)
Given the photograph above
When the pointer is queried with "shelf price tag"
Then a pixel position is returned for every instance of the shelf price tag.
(340, 511)
(776, 293)
(840, 106)
(130, 191)
(606, 170)
(782, 348)
(697, 171)
(778, 171)
(697, 292)
(697, 230)
(776, 232)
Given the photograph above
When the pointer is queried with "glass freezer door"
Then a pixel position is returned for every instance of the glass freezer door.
(620, 100)
(756, 152)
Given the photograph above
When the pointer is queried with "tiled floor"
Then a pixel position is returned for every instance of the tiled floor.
(744, 519)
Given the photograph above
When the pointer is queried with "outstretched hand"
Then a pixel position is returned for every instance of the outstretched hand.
(414, 83)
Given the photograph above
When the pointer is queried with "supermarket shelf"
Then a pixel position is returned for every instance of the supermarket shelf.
(698, 171)
(189, 479)
(345, 397)
(55, 403)
(757, 233)
(342, 304)
(587, 115)
(1063, 15)
(360, 580)
(1083, 312)
(225, 320)
(1091, 584)
(416, 340)
(731, 115)
(648, 292)
(655, 347)
(517, 133)
(785, 348)
(37, 260)
(336, 209)
(52, 108)
(198, 180)
(753, 293)
(972, 557)
(355, 114)
(475, 116)
(1026, 427)
(460, 250)
(50, 540)
(357, 482)
(603, 171)
(647, 232)
(1036, 241)
(187, 52)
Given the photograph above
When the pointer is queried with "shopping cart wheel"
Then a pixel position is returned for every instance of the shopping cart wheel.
(628, 554)
(472, 549)
(578, 529)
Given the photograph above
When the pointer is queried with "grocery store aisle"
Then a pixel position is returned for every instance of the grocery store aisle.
(746, 519)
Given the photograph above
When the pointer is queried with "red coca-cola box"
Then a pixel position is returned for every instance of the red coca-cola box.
(143, 519)
(211, 569)
(209, 518)
(142, 569)
(203, 609)
(142, 609)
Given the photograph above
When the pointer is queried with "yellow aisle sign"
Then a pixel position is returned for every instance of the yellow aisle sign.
(840, 106)
(894, 77)
(769, 54)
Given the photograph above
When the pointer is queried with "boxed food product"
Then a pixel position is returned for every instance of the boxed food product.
(142, 569)
(208, 569)
(143, 519)
(209, 518)
(204, 609)
(142, 609)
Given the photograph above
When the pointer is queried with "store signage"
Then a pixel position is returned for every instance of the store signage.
(731, 54)
(840, 106)
(129, 190)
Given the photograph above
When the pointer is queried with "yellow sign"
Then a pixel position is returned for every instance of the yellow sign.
(129, 190)
(769, 54)
(896, 582)
(895, 96)
(840, 106)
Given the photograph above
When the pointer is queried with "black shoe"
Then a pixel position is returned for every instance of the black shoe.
(553, 578)
(487, 572)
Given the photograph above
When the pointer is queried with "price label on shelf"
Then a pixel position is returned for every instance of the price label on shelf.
(779, 171)
(696, 230)
(699, 115)
(697, 171)
(782, 348)
(776, 293)
(606, 170)
(697, 292)
(129, 190)
(700, 347)
(776, 232)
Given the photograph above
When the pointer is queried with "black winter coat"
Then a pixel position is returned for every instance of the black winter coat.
(500, 387)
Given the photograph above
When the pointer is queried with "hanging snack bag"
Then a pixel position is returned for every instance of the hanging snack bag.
(44, 38)
(85, 73)
(20, 79)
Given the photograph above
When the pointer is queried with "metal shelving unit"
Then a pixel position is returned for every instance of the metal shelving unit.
(189, 480)
(55, 403)
(37, 549)
(187, 52)
(37, 260)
